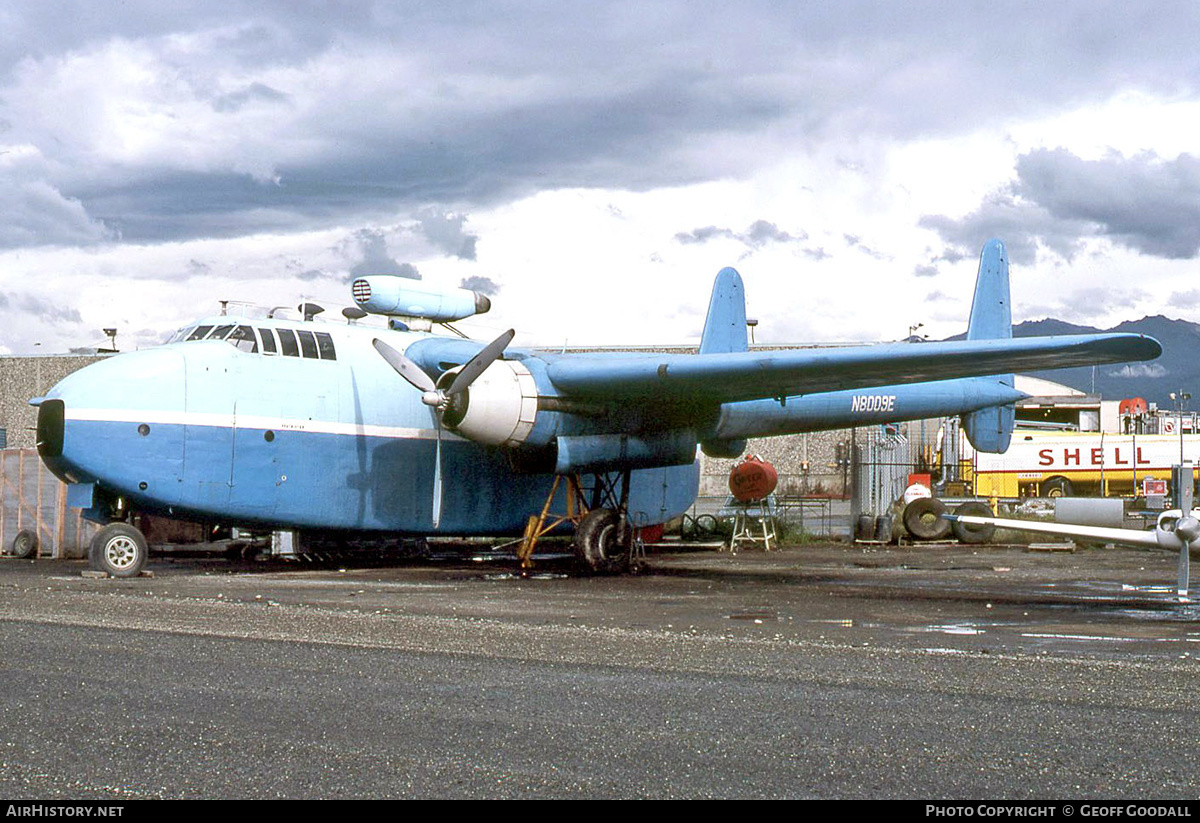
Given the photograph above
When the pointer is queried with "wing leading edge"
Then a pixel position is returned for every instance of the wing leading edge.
(739, 376)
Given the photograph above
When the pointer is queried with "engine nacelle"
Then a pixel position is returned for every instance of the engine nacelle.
(498, 409)
(728, 449)
(396, 296)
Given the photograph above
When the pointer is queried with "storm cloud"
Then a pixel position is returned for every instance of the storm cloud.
(288, 146)
(376, 259)
(1058, 200)
(1144, 202)
(257, 117)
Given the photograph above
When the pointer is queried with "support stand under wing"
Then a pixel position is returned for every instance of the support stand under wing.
(605, 538)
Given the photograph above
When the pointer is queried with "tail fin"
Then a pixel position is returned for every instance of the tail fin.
(990, 430)
(725, 331)
(725, 326)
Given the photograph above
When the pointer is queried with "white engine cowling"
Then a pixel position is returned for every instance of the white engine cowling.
(498, 409)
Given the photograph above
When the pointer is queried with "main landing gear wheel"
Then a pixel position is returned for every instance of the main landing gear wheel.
(118, 549)
(601, 545)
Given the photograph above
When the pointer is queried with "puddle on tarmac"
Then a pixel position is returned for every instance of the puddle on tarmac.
(956, 628)
(526, 576)
(754, 615)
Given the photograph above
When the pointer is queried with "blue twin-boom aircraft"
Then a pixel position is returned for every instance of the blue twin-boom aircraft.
(358, 429)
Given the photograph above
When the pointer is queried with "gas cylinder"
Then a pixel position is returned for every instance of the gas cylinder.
(752, 479)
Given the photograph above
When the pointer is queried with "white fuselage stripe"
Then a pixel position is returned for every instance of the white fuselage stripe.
(240, 421)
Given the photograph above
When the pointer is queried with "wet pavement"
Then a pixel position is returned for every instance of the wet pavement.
(826, 670)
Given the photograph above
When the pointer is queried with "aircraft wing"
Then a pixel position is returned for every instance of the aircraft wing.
(751, 375)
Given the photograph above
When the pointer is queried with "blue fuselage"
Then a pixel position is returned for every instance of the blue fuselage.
(330, 437)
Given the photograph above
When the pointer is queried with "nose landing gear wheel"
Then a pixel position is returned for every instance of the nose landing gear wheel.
(119, 550)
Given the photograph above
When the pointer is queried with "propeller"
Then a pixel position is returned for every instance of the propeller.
(441, 399)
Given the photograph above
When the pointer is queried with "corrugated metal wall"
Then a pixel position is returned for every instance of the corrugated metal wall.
(33, 498)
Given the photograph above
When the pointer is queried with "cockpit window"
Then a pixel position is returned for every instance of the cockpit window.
(291, 342)
(243, 339)
(308, 344)
(325, 345)
(287, 343)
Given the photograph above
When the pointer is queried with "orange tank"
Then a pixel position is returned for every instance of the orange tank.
(752, 479)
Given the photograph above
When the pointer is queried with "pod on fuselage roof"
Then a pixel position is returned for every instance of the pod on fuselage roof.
(395, 296)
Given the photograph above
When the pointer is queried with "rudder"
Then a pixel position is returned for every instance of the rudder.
(990, 430)
(725, 324)
(725, 331)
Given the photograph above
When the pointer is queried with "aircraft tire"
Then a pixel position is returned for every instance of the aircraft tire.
(970, 532)
(598, 545)
(119, 550)
(25, 544)
(923, 519)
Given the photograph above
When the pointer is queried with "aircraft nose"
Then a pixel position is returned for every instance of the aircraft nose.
(93, 418)
(152, 379)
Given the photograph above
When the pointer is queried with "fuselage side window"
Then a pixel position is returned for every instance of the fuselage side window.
(325, 346)
(243, 339)
(308, 344)
(268, 341)
(287, 343)
(199, 333)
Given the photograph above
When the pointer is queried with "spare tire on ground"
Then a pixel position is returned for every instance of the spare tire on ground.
(923, 519)
(972, 532)
(25, 544)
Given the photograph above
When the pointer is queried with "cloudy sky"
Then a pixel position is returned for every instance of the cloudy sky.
(592, 165)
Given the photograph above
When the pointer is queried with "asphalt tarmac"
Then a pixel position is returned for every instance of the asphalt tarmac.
(824, 671)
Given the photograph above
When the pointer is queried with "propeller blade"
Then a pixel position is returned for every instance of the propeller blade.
(1187, 530)
(406, 368)
(437, 473)
(1181, 588)
(478, 364)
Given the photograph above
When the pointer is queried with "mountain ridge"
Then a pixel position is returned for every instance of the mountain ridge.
(1178, 369)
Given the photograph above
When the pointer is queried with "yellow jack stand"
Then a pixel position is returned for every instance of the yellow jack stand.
(537, 526)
